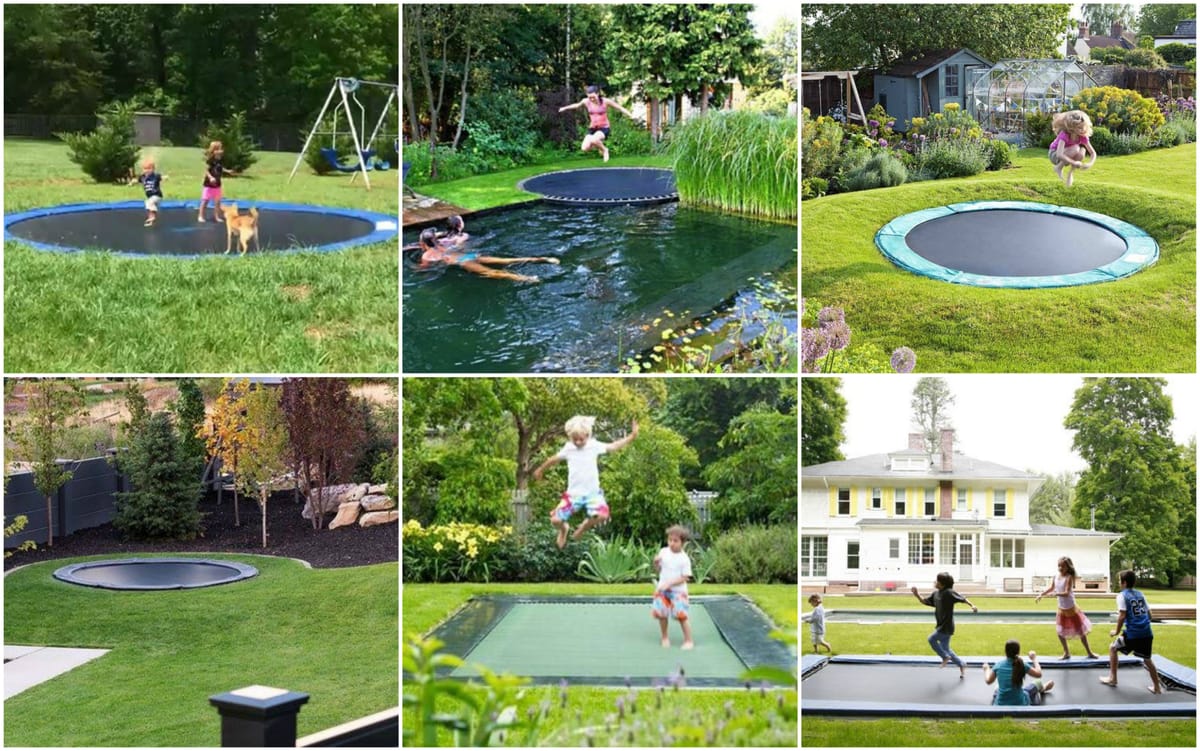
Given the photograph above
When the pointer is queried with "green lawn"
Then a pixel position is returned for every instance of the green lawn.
(987, 602)
(1175, 642)
(426, 605)
(1144, 323)
(330, 633)
(302, 313)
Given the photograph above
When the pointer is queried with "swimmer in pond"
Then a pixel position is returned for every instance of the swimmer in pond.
(434, 252)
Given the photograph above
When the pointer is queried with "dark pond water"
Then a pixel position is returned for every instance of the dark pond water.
(621, 267)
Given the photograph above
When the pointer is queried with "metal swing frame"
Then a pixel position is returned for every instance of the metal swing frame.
(340, 85)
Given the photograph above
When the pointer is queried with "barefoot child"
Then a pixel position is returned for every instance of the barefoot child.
(1071, 621)
(151, 181)
(1134, 614)
(816, 624)
(213, 172)
(581, 454)
(671, 595)
(942, 601)
(1010, 675)
(1068, 148)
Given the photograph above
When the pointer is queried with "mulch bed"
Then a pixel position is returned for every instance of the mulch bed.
(288, 534)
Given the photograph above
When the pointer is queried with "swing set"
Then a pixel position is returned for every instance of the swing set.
(346, 89)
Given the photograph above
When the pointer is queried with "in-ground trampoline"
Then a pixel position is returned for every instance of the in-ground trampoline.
(155, 573)
(607, 641)
(1016, 244)
(117, 227)
(886, 686)
(606, 185)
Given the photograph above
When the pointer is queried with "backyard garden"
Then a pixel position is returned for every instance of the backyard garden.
(117, 556)
(120, 124)
(700, 471)
(671, 224)
(912, 224)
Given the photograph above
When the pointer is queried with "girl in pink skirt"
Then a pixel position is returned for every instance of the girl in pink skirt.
(1071, 622)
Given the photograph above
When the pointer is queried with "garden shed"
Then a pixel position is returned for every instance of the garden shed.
(1002, 96)
(919, 87)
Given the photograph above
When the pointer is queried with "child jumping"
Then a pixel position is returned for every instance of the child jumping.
(816, 625)
(1009, 675)
(942, 601)
(1134, 614)
(598, 126)
(1071, 143)
(1071, 621)
(671, 595)
(151, 182)
(213, 172)
(581, 453)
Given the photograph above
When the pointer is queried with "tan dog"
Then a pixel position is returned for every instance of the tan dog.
(245, 227)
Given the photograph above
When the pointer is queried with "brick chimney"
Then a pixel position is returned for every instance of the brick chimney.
(1117, 30)
(1083, 29)
(947, 449)
(916, 442)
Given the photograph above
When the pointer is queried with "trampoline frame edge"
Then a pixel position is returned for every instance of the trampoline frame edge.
(66, 574)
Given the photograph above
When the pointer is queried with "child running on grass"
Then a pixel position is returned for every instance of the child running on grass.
(671, 595)
(1071, 622)
(816, 625)
(1134, 614)
(581, 453)
(942, 601)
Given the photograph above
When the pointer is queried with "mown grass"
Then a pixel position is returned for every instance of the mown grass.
(426, 605)
(92, 312)
(1144, 323)
(330, 633)
(988, 603)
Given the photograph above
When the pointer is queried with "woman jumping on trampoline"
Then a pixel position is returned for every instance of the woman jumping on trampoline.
(1009, 675)
(1071, 144)
(942, 601)
(1071, 622)
(598, 128)
(434, 253)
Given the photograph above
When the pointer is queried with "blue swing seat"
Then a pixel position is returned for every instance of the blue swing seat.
(331, 156)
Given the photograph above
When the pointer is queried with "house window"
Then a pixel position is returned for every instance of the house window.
(951, 72)
(949, 550)
(813, 554)
(930, 501)
(876, 498)
(962, 499)
(894, 548)
(901, 502)
(852, 556)
(920, 548)
(999, 503)
(843, 502)
(1008, 553)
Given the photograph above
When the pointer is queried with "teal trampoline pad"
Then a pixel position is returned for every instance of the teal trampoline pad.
(610, 640)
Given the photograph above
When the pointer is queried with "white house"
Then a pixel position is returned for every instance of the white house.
(1185, 33)
(891, 521)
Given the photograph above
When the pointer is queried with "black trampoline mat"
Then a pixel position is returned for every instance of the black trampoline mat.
(154, 573)
(176, 232)
(1010, 242)
(605, 185)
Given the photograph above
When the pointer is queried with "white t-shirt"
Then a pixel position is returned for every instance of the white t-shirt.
(674, 565)
(583, 471)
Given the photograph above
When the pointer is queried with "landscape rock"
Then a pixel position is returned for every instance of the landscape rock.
(346, 515)
(375, 518)
(377, 502)
(331, 498)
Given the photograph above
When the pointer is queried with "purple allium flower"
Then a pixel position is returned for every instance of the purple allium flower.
(922, 136)
(814, 345)
(883, 142)
(904, 360)
(838, 334)
(891, 123)
(829, 315)
(873, 123)
(954, 131)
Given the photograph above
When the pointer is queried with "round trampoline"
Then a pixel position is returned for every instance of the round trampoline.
(895, 686)
(1016, 244)
(117, 227)
(605, 185)
(155, 573)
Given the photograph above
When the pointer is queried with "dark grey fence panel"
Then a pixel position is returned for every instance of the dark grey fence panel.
(88, 500)
(22, 498)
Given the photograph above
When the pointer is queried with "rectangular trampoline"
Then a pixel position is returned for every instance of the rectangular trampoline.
(894, 686)
(608, 641)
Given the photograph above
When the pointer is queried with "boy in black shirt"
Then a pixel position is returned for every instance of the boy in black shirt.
(151, 181)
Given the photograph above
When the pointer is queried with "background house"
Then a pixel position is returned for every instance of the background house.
(891, 521)
(1185, 33)
(919, 87)
(1118, 36)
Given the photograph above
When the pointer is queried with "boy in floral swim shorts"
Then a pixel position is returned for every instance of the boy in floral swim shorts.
(581, 454)
(671, 594)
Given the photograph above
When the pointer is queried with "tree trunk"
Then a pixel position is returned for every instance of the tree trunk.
(49, 521)
(410, 102)
(263, 493)
(523, 454)
(462, 106)
(654, 121)
(704, 100)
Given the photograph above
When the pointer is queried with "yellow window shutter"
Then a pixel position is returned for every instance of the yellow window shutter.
(833, 491)
(1008, 503)
(889, 501)
(853, 501)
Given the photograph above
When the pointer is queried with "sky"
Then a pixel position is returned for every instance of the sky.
(766, 13)
(1014, 420)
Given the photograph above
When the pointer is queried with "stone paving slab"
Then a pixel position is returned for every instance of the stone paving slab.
(27, 666)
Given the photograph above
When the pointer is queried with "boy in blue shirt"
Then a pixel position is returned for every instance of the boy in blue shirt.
(1134, 613)
(151, 181)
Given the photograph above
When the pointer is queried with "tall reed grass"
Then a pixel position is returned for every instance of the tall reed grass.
(744, 162)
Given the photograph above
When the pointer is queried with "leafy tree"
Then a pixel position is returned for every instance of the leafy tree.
(822, 417)
(50, 62)
(189, 421)
(1051, 504)
(51, 403)
(327, 430)
(1101, 16)
(1135, 479)
(138, 406)
(757, 475)
(1160, 19)
(931, 404)
(164, 501)
(265, 448)
(223, 435)
(844, 36)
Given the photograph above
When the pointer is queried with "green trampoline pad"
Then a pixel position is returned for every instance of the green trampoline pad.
(607, 641)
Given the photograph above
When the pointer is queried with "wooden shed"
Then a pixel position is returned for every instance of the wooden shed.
(916, 88)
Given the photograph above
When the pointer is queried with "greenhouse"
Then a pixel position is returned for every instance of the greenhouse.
(1002, 96)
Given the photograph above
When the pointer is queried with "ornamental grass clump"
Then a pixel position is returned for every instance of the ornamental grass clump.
(744, 162)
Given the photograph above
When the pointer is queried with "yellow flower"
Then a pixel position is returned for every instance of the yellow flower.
(437, 546)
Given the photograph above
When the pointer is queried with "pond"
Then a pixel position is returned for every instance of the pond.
(621, 268)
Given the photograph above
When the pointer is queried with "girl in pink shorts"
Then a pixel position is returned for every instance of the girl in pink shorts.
(212, 180)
